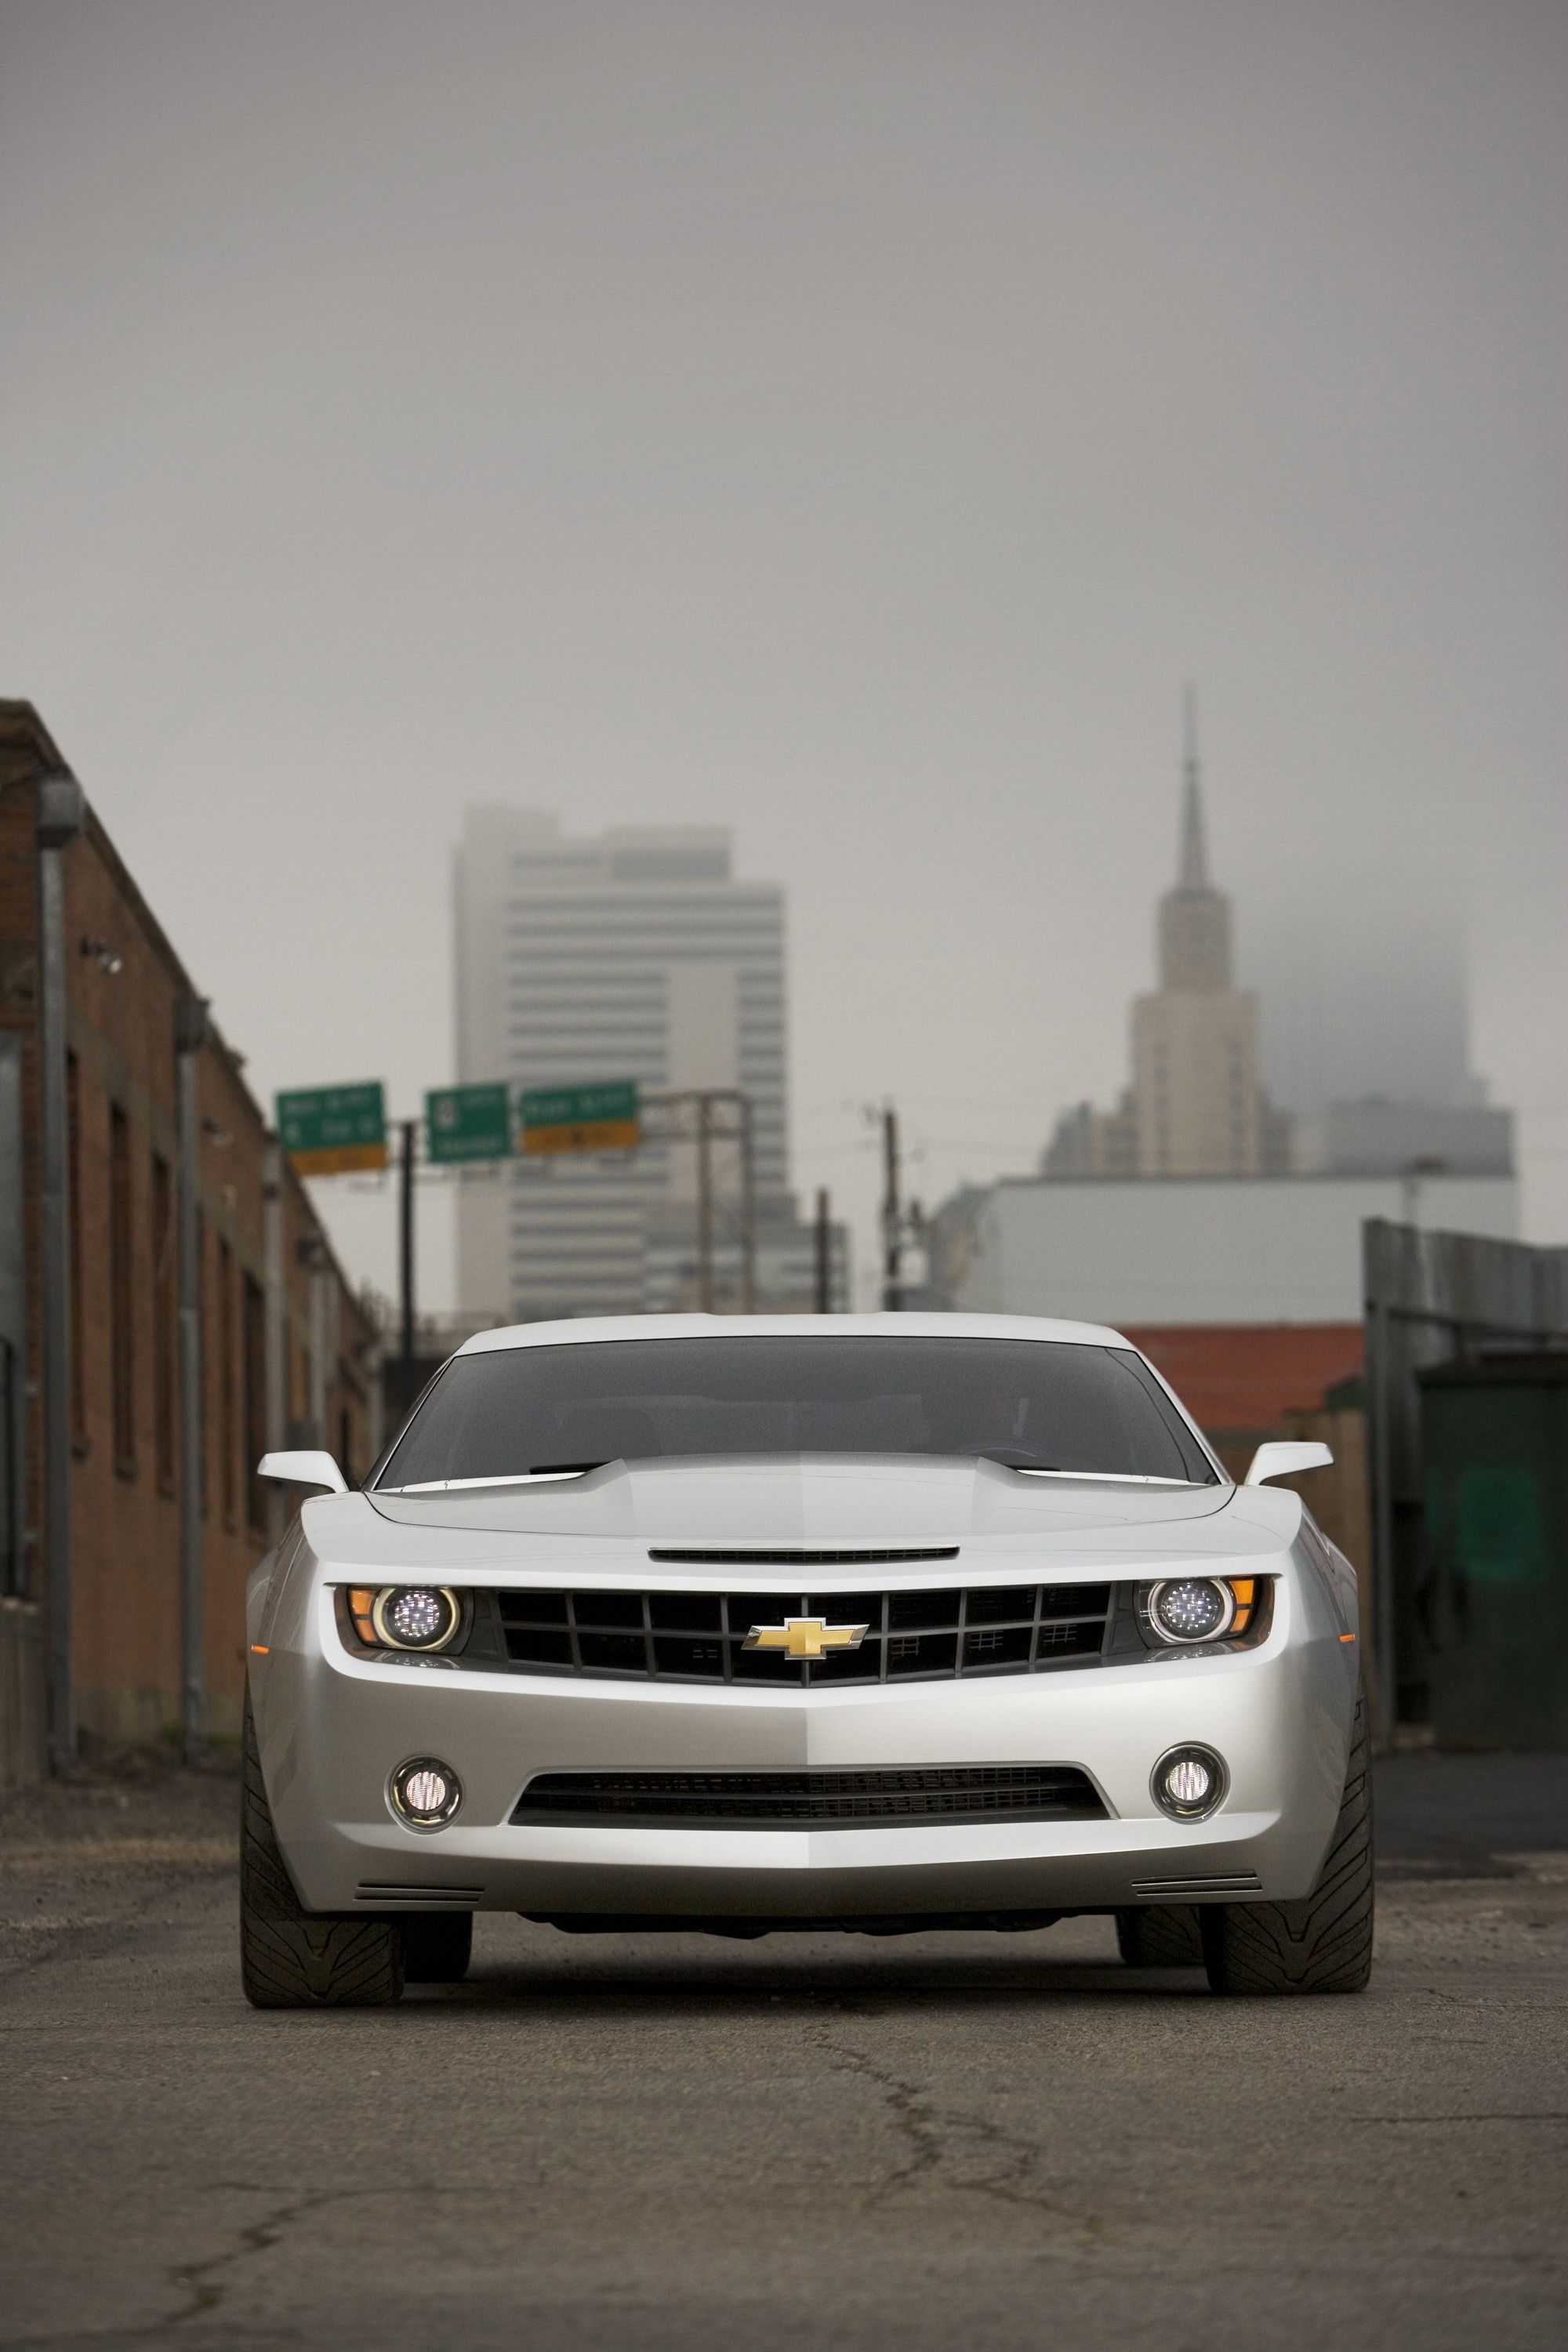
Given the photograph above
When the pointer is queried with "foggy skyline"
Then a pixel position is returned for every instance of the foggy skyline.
(848, 425)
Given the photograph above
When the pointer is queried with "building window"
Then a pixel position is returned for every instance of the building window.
(228, 1435)
(253, 1366)
(163, 1323)
(121, 1295)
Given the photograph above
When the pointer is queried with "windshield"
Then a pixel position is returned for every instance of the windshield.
(1035, 1404)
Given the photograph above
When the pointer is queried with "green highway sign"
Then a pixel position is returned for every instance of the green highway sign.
(469, 1123)
(331, 1130)
(602, 1117)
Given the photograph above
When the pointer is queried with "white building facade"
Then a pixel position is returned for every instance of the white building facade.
(634, 953)
(1153, 1251)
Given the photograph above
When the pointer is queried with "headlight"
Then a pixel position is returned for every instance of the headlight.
(1191, 1608)
(405, 1616)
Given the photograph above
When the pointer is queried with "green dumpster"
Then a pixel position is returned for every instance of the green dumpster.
(1495, 1449)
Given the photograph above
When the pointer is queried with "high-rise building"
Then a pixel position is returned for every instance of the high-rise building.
(1362, 994)
(1195, 1107)
(631, 954)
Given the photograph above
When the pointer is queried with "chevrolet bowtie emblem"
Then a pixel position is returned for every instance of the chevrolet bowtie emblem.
(806, 1637)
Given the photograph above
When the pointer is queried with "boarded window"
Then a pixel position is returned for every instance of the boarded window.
(200, 1304)
(227, 1385)
(163, 1323)
(77, 1272)
(122, 1294)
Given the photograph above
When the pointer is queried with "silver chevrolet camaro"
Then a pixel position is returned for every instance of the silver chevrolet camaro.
(881, 1622)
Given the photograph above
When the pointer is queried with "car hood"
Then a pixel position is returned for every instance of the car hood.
(612, 1517)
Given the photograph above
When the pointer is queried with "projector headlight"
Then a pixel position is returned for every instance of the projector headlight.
(405, 1616)
(1192, 1608)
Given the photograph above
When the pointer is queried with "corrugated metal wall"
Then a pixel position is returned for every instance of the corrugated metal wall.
(1431, 1299)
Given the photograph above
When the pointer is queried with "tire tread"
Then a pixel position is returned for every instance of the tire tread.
(291, 1957)
(1323, 1943)
(1160, 1936)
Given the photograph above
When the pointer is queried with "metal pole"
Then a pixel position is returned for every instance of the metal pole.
(893, 1220)
(190, 1035)
(748, 1208)
(406, 1258)
(824, 1254)
(1377, 1280)
(704, 1203)
(275, 1367)
(61, 814)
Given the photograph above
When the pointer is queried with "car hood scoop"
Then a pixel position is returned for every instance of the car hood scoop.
(840, 1502)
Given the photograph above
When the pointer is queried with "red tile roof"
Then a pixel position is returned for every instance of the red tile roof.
(1235, 1376)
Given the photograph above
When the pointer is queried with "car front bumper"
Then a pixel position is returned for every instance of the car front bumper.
(333, 1727)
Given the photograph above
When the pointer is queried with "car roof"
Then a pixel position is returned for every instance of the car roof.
(587, 1329)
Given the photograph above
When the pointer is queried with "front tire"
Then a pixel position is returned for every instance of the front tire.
(1323, 1943)
(291, 1957)
(1163, 1936)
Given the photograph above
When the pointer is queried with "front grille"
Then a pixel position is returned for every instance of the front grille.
(700, 1636)
(940, 1793)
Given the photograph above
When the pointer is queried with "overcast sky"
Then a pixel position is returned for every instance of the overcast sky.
(850, 423)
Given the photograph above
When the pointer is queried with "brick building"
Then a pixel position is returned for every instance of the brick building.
(287, 1353)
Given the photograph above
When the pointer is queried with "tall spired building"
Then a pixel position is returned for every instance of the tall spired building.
(1195, 1107)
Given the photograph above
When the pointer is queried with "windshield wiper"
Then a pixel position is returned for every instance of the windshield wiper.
(559, 1469)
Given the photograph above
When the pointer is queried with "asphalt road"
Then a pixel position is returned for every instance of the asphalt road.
(946, 2140)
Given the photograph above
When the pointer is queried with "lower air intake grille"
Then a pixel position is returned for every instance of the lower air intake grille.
(938, 1793)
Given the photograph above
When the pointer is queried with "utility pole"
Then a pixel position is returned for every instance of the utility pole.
(705, 1203)
(710, 1117)
(190, 1036)
(61, 814)
(824, 1253)
(406, 1259)
(748, 1210)
(892, 1215)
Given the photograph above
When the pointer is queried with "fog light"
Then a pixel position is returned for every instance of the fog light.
(1188, 1783)
(425, 1792)
(1190, 1609)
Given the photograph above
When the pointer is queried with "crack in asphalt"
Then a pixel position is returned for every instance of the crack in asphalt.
(930, 2130)
(203, 2293)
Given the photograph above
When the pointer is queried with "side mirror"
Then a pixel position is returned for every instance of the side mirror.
(304, 1470)
(1279, 1458)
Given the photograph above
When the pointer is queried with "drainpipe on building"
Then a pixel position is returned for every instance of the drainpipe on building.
(61, 814)
(313, 1251)
(190, 1036)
